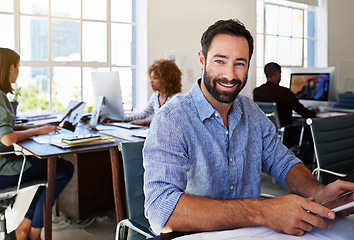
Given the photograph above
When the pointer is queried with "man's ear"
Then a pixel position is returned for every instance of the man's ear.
(201, 59)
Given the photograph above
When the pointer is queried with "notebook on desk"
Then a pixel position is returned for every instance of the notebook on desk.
(97, 141)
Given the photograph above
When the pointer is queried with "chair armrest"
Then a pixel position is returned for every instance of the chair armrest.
(126, 223)
(266, 196)
(295, 124)
(22, 167)
(317, 170)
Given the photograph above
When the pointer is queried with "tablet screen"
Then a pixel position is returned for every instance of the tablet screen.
(341, 202)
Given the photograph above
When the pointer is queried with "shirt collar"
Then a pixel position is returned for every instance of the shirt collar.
(204, 108)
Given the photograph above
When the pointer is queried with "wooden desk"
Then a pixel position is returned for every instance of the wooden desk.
(51, 153)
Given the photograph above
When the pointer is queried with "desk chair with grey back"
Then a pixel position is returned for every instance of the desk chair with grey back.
(137, 224)
(333, 139)
(133, 178)
(8, 195)
(346, 100)
(271, 111)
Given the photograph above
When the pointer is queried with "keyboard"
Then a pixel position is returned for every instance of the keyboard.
(340, 110)
(126, 125)
(329, 114)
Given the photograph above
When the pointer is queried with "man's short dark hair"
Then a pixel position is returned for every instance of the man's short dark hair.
(271, 68)
(231, 27)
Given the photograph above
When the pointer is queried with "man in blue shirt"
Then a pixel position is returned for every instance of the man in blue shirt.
(206, 150)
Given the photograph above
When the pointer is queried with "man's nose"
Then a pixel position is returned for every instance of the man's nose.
(230, 72)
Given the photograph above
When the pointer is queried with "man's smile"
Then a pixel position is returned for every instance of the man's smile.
(227, 85)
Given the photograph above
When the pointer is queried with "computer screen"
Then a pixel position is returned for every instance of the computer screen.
(310, 86)
(107, 84)
(72, 115)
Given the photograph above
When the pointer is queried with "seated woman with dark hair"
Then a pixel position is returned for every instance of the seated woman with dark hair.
(10, 165)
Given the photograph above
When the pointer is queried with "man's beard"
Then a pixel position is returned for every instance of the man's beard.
(221, 96)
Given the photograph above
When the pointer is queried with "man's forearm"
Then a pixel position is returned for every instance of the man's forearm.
(203, 214)
(299, 180)
(289, 214)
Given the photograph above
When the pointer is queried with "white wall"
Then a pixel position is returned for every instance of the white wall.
(341, 42)
(175, 28)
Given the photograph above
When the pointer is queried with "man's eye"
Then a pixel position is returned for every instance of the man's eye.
(240, 64)
(219, 61)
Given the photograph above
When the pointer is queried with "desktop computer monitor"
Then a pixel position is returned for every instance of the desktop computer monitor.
(107, 85)
(314, 87)
(310, 86)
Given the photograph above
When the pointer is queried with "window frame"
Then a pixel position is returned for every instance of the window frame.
(50, 63)
(296, 6)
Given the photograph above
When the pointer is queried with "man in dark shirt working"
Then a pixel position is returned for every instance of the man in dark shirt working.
(286, 102)
(284, 97)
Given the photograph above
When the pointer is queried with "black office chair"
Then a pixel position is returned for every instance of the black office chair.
(271, 111)
(137, 224)
(333, 139)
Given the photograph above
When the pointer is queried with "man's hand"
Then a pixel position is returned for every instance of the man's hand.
(335, 189)
(292, 214)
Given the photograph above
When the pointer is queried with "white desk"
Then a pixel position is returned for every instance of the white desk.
(342, 229)
(329, 114)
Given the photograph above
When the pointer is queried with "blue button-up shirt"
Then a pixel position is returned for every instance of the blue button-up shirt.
(189, 150)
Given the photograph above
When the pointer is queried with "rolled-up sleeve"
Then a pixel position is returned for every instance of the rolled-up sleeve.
(5, 121)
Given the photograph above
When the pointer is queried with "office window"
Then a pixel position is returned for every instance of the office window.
(62, 41)
(285, 35)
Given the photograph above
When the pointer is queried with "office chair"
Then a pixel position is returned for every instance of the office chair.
(133, 179)
(8, 195)
(346, 100)
(271, 111)
(333, 139)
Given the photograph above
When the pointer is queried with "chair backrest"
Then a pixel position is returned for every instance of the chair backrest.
(133, 177)
(346, 100)
(271, 111)
(333, 139)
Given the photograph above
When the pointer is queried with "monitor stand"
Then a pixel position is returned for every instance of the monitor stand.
(96, 112)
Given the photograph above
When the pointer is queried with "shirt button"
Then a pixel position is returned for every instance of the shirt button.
(227, 132)
(216, 114)
(230, 159)
(232, 187)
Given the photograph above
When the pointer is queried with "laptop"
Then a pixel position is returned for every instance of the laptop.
(72, 115)
(67, 124)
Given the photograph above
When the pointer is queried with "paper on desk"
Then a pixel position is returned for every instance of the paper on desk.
(126, 134)
(48, 138)
(263, 233)
(141, 133)
(101, 127)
